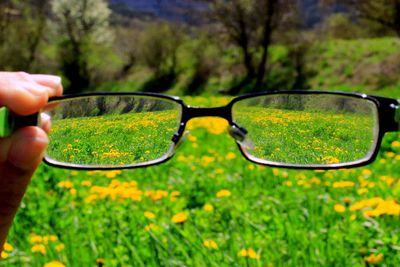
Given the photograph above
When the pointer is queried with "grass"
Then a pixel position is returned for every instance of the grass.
(208, 206)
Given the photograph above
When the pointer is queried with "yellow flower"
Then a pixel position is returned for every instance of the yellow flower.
(208, 207)
(54, 264)
(60, 247)
(243, 253)
(249, 253)
(209, 243)
(288, 183)
(150, 227)
(252, 254)
(230, 156)
(111, 174)
(390, 154)
(65, 184)
(39, 248)
(395, 144)
(343, 184)
(374, 259)
(179, 217)
(36, 239)
(8, 247)
(4, 255)
(362, 191)
(223, 193)
(339, 208)
(149, 215)
(86, 183)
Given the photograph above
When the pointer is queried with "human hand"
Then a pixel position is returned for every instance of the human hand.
(22, 152)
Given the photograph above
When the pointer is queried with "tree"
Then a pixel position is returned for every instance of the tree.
(22, 24)
(84, 25)
(158, 50)
(249, 25)
(383, 12)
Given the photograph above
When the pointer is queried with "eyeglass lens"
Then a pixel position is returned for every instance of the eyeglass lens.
(111, 130)
(308, 129)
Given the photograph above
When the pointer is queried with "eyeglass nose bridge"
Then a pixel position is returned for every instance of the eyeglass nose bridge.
(189, 113)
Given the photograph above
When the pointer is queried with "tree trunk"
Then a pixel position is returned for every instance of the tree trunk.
(267, 31)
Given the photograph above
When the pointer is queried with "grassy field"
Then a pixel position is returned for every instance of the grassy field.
(210, 207)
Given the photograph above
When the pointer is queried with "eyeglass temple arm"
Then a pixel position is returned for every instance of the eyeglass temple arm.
(9, 121)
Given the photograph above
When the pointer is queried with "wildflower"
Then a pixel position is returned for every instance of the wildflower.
(288, 183)
(252, 254)
(362, 191)
(223, 193)
(36, 239)
(179, 218)
(374, 259)
(209, 243)
(230, 156)
(86, 183)
(3, 255)
(243, 253)
(39, 248)
(54, 264)
(174, 195)
(8, 247)
(60, 247)
(150, 227)
(396, 144)
(149, 215)
(249, 253)
(343, 184)
(65, 184)
(339, 208)
(208, 207)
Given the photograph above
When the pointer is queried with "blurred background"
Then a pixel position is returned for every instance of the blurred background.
(205, 47)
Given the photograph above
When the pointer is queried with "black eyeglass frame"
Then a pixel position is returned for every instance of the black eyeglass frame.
(388, 121)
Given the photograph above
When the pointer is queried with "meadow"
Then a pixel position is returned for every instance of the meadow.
(208, 206)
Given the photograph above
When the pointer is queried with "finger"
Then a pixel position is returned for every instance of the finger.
(17, 168)
(50, 81)
(45, 122)
(23, 98)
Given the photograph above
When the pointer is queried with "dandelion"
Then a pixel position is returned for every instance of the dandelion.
(288, 183)
(339, 208)
(65, 184)
(343, 184)
(396, 144)
(179, 218)
(36, 238)
(230, 156)
(208, 207)
(86, 183)
(60, 247)
(250, 253)
(374, 259)
(39, 248)
(149, 215)
(8, 247)
(54, 264)
(150, 227)
(209, 243)
(4, 255)
(223, 193)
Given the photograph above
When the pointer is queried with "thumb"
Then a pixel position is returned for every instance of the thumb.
(20, 154)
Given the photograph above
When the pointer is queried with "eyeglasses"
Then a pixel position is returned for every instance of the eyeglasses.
(292, 129)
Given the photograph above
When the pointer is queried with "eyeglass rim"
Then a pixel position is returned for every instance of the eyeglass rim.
(385, 106)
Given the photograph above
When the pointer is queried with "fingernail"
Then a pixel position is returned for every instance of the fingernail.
(37, 90)
(27, 150)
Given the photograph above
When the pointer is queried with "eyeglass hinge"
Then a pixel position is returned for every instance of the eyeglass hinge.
(396, 113)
